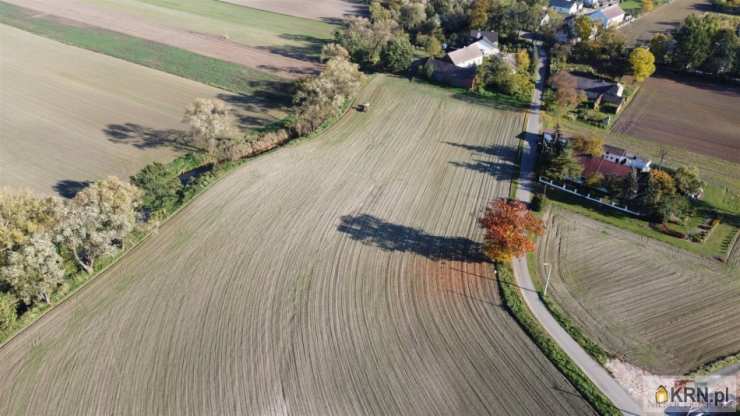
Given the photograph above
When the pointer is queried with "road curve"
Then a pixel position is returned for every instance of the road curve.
(598, 375)
(338, 276)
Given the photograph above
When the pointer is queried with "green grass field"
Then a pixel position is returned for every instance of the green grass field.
(244, 25)
(225, 75)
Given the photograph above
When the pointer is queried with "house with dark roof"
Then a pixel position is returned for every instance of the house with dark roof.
(599, 91)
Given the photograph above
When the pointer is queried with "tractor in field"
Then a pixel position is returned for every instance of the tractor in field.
(364, 107)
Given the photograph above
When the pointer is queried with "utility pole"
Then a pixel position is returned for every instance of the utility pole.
(547, 282)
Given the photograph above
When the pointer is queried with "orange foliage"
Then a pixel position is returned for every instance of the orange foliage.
(509, 225)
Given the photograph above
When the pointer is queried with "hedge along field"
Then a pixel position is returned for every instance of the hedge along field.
(339, 275)
(664, 309)
(71, 116)
(282, 45)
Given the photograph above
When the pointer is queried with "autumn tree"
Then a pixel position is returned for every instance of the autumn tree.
(592, 146)
(523, 61)
(509, 227)
(479, 13)
(98, 219)
(34, 271)
(647, 6)
(210, 121)
(323, 96)
(583, 27)
(687, 180)
(333, 50)
(398, 54)
(642, 62)
(566, 96)
(23, 214)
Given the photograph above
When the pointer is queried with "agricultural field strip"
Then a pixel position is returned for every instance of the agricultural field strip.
(208, 37)
(662, 19)
(326, 10)
(702, 117)
(336, 276)
(79, 116)
(665, 309)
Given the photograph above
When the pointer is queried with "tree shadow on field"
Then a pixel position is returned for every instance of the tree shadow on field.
(501, 169)
(374, 231)
(309, 49)
(145, 137)
(68, 188)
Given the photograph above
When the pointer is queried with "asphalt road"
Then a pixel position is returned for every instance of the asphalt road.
(598, 375)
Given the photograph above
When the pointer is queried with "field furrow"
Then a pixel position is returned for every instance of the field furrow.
(339, 276)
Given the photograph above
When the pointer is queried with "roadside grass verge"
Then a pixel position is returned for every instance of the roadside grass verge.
(554, 353)
(716, 365)
(225, 75)
(591, 347)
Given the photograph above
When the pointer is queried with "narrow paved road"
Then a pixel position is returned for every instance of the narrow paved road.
(337, 276)
(598, 375)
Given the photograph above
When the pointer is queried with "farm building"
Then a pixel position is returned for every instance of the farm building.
(608, 17)
(623, 157)
(486, 44)
(566, 7)
(603, 166)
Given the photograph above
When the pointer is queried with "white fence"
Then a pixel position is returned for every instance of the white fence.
(564, 188)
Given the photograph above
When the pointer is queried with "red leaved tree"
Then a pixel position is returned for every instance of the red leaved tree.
(509, 226)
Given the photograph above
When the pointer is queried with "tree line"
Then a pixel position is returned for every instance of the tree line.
(46, 241)
(708, 44)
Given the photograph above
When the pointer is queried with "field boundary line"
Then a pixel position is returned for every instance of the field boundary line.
(125, 253)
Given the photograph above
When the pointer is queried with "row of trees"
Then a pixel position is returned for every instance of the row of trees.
(41, 239)
(702, 43)
(45, 240)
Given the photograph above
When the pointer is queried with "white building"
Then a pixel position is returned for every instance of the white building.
(566, 7)
(608, 16)
(623, 157)
(486, 44)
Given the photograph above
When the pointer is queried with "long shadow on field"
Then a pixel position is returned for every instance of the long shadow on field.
(68, 188)
(144, 137)
(394, 237)
(309, 51)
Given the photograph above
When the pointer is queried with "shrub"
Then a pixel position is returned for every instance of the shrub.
(539, 202)
(8, 305)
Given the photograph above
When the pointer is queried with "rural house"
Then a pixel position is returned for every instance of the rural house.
(623, 157)
(566, 7)
(599, 91)
(608, 17)
(486, 44)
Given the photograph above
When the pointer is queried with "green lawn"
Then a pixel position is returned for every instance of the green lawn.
(225, 75)
(286, 34)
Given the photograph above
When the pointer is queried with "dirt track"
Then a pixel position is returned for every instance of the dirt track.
(681, 111)
(664, 309)
(340, 276)
(662, 19)
(327, 10)
(68, 115)
(171, 34)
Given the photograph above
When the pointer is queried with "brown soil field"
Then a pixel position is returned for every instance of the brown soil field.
(192, 33)
(68, 115)
(326, 10)
(662, 19)
(700, 116)
(341, 275)
(663, 309)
